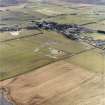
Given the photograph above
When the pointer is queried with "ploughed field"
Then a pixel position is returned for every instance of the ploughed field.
(59, 83)
(45, 67)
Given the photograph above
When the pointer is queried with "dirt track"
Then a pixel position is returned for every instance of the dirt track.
(60, 83)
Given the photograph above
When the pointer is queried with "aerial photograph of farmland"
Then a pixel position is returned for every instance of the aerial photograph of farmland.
(52, 52)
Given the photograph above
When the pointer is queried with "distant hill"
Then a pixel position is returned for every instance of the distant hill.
(86, 1)
(10, 2)
(77, 1)
(14, 2)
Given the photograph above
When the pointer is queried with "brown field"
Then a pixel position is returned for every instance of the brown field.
(59, 83)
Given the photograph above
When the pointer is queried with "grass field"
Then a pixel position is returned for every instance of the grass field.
(93, 60)
(18, 56)
(73, 19)
(25, 53)
(97, 26)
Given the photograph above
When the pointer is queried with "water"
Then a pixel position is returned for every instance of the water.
(3, 100)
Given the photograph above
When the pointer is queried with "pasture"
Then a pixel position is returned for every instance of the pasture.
(92, 60)
(26, 52)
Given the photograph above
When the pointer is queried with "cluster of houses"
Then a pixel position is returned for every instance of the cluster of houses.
(71, 31)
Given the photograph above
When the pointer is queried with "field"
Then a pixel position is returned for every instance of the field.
(92, 60)
(40, 67)
(34, 50)
(64, 84)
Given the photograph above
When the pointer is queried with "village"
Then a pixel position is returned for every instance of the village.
(71, 31)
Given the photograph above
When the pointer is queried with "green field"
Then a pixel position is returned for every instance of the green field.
(18, 56)
(28, 53)
(93, 60)
(73, 19)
